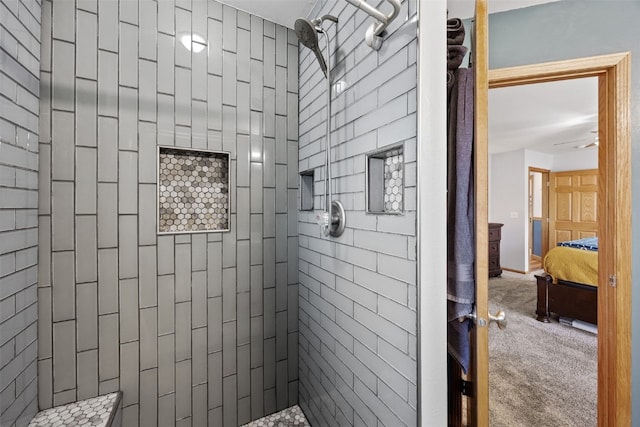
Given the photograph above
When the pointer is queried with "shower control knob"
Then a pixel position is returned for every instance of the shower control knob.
(338, 219)
(322, 219)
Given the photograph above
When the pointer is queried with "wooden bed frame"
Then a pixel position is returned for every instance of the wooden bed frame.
(567, 299)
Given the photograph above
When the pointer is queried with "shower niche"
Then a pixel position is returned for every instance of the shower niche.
(306, 190)
(193, 191)
(385, 181)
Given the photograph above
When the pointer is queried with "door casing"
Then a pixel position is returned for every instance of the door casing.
(545, 214)
(614, 229)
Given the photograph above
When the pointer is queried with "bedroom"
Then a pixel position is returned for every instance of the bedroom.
(544, 126)
(532, 128)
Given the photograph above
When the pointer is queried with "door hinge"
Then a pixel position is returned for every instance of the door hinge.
(613, 280)
(467, 388)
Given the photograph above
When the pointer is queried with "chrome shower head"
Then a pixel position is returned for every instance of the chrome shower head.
(307, 32)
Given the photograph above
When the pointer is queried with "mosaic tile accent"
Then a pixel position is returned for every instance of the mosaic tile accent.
(193, 191)
(292, 416)
(393, 182)
(98, 411)
(385, 181)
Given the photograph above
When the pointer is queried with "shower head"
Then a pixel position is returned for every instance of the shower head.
(307, 32)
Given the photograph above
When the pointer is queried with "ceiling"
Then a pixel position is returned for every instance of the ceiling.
(283, 12)
(554, 117)
(551, 117)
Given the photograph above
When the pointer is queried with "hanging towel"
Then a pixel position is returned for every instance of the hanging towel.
(450, 80)
(455, 55)
(455, 31)
(460, 218)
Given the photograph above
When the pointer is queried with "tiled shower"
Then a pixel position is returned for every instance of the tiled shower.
(205, 327)
(358, 292)
(19, 109)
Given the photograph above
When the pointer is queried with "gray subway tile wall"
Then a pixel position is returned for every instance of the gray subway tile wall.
(192, 328)
(20, 227)
(357, 337)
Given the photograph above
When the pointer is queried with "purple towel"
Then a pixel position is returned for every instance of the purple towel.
(451, 78)
(455, 55)
(455, 31)
(460, 217)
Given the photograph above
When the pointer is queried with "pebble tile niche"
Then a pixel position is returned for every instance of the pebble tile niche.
(193, 191)
(393, 182)
(385, 182)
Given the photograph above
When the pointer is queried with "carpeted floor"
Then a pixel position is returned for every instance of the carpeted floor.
(540, 374)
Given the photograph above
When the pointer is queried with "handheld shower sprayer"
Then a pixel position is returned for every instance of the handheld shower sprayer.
(332, 219)
(307, 31)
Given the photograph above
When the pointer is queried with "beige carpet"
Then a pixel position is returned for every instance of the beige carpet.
(540, 374)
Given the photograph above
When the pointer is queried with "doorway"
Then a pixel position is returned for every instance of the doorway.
(614, 274)
(533, 129)
(538, 203)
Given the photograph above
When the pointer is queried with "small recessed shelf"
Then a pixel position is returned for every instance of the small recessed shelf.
(193, 191)
(306, 190)
(385, 181)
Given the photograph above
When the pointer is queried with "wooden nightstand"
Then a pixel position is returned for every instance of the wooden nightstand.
(495, 234)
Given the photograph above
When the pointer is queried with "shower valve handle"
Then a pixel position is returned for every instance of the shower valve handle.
(322, 219)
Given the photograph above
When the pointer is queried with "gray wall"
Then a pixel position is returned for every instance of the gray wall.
(358, 292)
(574, 29)
(194, 326)
(19, 88)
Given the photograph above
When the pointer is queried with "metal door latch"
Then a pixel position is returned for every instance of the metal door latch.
(500, 318)
(467, 388)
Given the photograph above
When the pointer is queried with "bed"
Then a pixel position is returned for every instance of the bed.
(568, 287)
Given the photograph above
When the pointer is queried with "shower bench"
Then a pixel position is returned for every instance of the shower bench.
(101, 411)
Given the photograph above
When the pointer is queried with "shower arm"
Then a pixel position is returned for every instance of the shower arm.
(373, 34)
(318, 21)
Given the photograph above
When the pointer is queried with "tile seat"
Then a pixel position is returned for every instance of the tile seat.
(290, 417)
(101, 411)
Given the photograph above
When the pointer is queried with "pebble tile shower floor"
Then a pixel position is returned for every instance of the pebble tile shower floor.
(289, 417)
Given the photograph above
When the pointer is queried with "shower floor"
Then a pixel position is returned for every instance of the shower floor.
(289, 417)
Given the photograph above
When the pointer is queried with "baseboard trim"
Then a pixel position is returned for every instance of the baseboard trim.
(513, 270)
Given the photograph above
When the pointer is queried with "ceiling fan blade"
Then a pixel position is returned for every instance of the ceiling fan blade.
(568, 142)
(592, 144)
